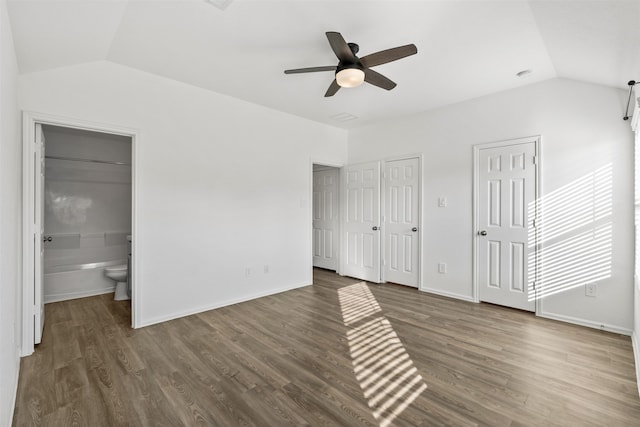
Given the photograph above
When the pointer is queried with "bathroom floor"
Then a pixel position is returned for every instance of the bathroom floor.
(298, 358)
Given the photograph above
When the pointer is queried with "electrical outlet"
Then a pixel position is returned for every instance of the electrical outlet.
(590, 289)
(442, 268)
(442, 202)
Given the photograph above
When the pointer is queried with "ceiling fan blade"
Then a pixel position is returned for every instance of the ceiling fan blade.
(378, 79)
(333, 88)
(388, 55)
(340, 47)
(310, 69)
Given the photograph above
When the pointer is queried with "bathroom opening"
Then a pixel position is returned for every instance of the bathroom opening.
(87, 214)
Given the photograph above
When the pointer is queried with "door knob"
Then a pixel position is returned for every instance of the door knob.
(414, 229)
(482, 233)
(374, 228)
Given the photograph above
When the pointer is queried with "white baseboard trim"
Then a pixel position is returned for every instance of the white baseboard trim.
(636, 355)
(201, 309)
(447, 294)
(75, 295)
(588, 323)
(15, 390)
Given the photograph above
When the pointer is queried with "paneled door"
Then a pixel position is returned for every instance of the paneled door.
(361, 204)
(38, 234)
(325, 218)
(401, 234)
(506, 183)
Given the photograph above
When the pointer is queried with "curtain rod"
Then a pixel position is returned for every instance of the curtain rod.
(87, 160)
(631, 83)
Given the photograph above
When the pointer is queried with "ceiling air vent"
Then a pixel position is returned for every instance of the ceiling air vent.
(220, 4)
(343, 117)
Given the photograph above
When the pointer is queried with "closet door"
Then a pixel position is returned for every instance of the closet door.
(402, 242)
(361, 204)
(325, 218)
(506, 177)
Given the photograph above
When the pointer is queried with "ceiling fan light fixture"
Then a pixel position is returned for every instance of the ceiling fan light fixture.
(350, 77)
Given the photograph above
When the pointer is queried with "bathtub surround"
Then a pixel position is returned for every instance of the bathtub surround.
(10, 221)
(87, 210)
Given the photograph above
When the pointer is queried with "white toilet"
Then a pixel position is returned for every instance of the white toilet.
(119, 274)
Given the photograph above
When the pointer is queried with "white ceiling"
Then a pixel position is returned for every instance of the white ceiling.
(466, 49)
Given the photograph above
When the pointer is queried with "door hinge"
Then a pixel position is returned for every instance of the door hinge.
(535, 160)
(534, 223)
(534, 285)
(36, 309)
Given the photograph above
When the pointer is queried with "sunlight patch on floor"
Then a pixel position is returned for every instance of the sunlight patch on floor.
(389, 380)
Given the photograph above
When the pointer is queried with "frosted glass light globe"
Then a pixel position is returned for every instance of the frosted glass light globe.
(350, 77)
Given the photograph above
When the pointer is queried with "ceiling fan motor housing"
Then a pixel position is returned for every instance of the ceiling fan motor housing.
(348, 65)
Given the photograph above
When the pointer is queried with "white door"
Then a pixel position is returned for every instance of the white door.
(401, 235)
(506, 188)
(362, 221)
(325, 218)
(38, 235)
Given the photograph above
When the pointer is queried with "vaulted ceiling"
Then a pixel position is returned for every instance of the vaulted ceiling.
(466, 49)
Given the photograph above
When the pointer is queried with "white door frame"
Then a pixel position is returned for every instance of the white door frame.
(383, 205)
(310, 213)
(29, 120)
(537, 140)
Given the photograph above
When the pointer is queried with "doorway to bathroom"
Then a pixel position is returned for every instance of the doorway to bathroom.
(79, 217)
(87, 212)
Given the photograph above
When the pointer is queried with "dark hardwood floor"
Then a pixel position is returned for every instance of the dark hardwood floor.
(337, 353)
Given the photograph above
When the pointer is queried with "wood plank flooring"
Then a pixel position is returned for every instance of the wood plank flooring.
(338, 353)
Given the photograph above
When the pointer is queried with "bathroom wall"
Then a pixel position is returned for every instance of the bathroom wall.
(87, 210)
(10, 221)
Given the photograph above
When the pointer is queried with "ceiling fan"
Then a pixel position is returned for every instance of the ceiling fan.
(352, 71)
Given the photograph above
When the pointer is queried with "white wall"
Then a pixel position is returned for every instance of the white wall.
(10, 221)
(636, 305)
(582, 130)
(222, 185)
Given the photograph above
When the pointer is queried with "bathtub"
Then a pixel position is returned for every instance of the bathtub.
(64, 282)
(74, 264)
